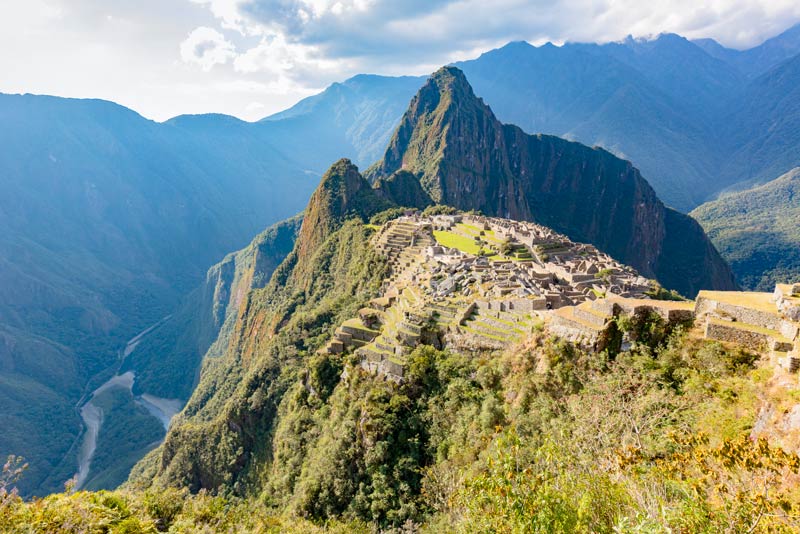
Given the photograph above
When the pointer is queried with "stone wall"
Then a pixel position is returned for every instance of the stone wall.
(462, 317)
(575, 332)
(359, 333)
(517, 305)
(740, 313)
(755, 341)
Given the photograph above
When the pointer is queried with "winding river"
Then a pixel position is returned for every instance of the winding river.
(162, 409)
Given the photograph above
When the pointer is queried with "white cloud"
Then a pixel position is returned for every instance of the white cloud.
(255, 107)
(276, 51)
(389, 28)
(274, 55)
(207, 47)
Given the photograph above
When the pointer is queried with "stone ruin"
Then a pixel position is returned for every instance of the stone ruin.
(590, 323)
(762, 322)
(451, 298)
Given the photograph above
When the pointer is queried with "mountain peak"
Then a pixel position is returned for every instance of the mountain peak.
(444, 107)
(450, 79)
(341, 194)
(462, 156)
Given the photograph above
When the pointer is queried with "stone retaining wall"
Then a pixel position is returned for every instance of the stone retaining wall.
(358, 333)
(518, 305)
(740, 313)
(756, 341)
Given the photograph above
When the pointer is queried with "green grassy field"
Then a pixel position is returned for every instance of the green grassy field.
(462, 243)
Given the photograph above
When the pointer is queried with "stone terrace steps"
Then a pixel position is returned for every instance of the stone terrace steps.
(512, 328)
(567, 316)
(403, 244)
(586, 312)
(754, 337)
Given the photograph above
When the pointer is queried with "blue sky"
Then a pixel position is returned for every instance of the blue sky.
(250, 58)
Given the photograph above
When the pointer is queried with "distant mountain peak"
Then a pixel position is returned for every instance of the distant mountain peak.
(649, 42)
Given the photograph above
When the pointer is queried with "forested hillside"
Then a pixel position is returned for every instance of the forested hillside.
(757, 231)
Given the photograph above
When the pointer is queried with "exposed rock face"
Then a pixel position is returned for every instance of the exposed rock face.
(464, 157)
(404, 189)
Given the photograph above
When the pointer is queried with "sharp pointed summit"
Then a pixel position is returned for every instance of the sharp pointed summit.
(464, 157)
(342, 193)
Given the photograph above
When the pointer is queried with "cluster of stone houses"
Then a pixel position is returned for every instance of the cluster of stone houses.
(554, 270)
(451, 298)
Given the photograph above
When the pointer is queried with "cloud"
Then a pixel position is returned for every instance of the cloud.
(290, 66)
(391, 35)
(207, 47)
(255, 107)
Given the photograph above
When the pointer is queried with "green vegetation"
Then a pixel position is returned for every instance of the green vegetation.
(177, 512)
(757, 232)
(544, 439)
(464, 244)
(438, 209)
(657, 292)
(387, 215)
(293, 316)
(27, 405)
(457, 241)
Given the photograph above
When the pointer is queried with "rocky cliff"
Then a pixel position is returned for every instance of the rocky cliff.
(464, 157)
(168, 360)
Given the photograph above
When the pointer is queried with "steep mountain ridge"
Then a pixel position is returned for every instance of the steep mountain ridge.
(342, 193)
(331, 269)
(464, 157)
(757, 60)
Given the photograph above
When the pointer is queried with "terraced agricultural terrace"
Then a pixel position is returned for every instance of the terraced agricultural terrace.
(473, 283)
(759, 321)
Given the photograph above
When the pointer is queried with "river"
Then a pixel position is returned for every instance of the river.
(160, 408)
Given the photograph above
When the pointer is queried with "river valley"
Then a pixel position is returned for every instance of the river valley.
(93, 415)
